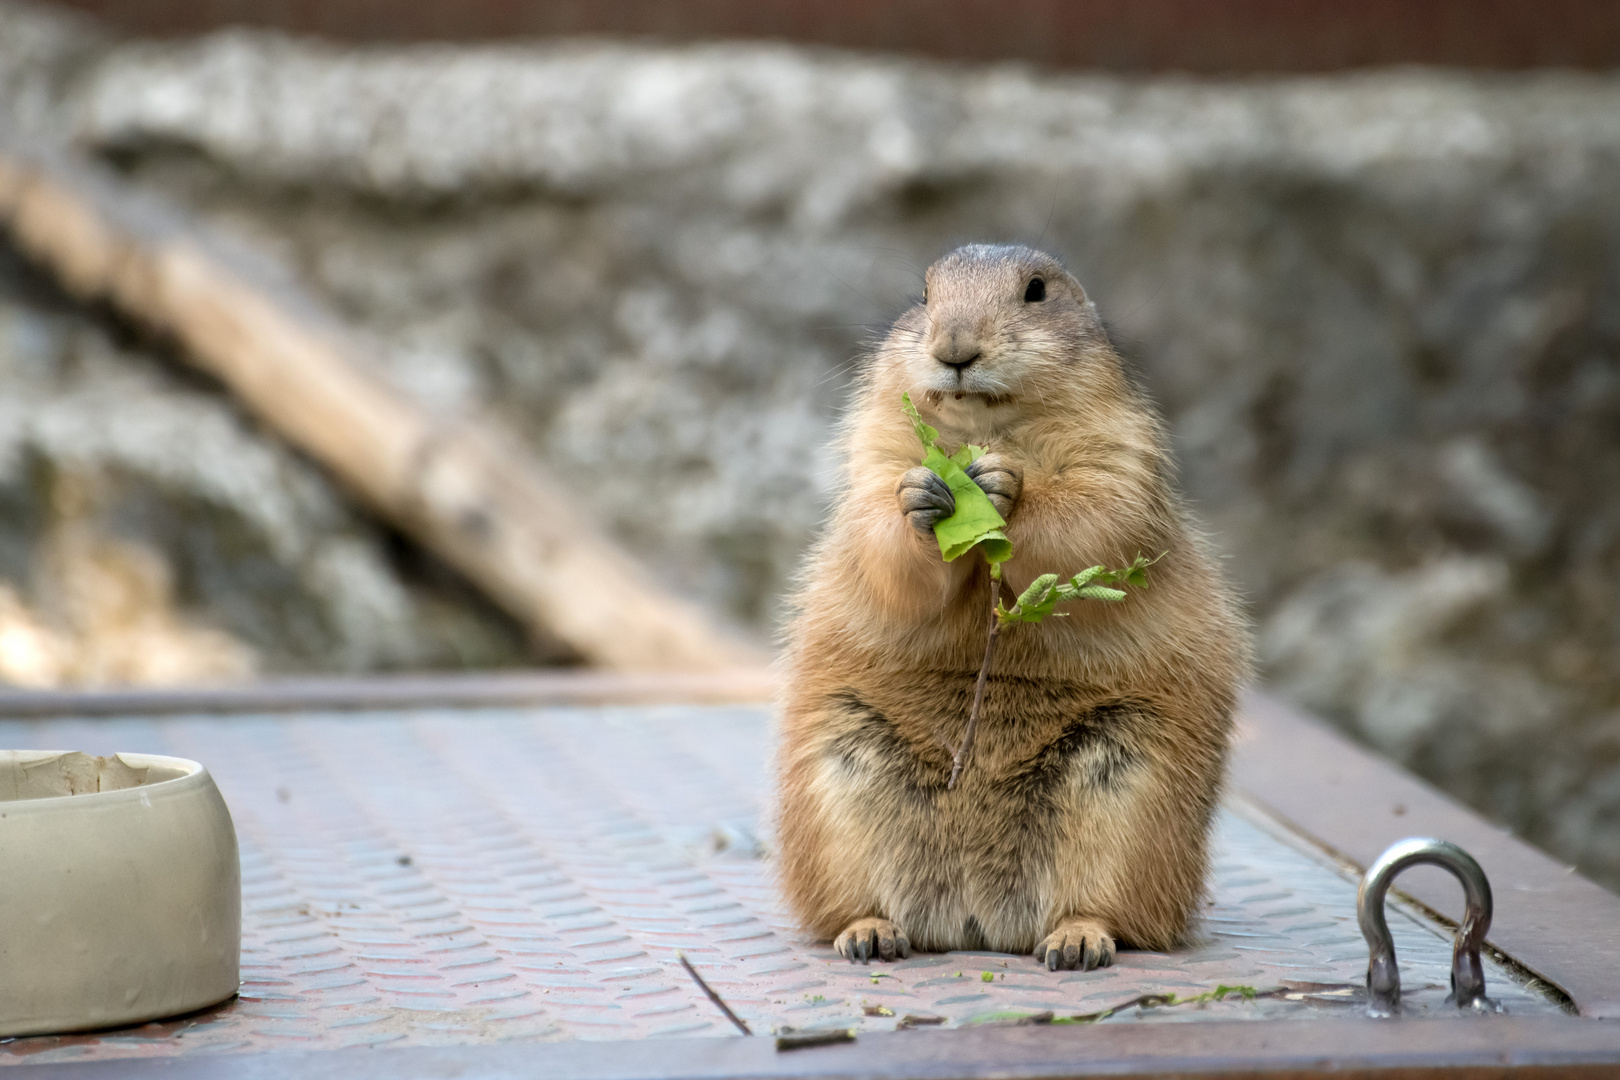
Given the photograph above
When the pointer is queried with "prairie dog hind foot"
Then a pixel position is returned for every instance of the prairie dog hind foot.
(1076, 943)
(868, 939)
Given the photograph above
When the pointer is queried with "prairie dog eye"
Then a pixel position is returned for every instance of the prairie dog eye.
(1036, 291)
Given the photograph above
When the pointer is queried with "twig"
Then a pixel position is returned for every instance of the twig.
(1147, 1001)
(800, 1040)
(714, 997)
(1152, 1001)
(966, 749)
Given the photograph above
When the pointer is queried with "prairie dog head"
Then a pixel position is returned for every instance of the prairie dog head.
(1003, 333)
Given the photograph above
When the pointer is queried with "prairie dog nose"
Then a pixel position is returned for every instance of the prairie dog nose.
(956, 350)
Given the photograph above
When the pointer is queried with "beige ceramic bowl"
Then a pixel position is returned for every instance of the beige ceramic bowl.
(120, 891)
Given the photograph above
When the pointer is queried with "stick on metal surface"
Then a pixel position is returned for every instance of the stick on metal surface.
(714, 997)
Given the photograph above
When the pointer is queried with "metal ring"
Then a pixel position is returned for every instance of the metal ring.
(1467, 974)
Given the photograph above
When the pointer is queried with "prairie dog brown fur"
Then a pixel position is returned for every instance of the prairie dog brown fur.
(1083, 816)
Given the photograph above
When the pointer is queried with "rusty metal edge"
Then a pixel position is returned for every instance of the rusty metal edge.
(1177, 36)
(1345, 799)
(519, 688)
(1504, 1046)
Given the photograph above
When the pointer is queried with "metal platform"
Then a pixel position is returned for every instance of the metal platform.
(456, 877)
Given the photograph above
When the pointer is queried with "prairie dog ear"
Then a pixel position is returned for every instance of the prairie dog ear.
(1078, 290)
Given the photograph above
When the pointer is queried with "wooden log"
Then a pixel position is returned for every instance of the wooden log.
(470, 496)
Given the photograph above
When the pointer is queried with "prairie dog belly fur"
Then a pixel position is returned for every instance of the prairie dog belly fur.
(1082, 818)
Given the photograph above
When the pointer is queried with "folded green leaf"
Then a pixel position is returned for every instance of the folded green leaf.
(975, 522)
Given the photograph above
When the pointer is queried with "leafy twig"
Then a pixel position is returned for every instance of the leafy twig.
(714, 997)
(1093, 583)
(975, 524)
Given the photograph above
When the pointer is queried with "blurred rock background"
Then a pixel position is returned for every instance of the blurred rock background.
(1380, 310)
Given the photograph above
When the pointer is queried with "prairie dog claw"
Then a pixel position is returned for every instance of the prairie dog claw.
(872, 939)
(1076, 943)
(998, 478)
(925, 500)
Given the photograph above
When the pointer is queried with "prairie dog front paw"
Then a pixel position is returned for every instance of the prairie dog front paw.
(1000, 479)
(1077, 943)
(873, 938)
(925, 500)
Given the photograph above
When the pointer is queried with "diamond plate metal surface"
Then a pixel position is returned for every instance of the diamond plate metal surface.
(474, 876)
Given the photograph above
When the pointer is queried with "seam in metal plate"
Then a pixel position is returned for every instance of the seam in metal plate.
(448, 877)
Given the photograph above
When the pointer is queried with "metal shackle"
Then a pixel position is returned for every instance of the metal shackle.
(1467, 974)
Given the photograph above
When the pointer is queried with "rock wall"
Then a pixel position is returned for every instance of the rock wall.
(151, 533)
(1381, 312)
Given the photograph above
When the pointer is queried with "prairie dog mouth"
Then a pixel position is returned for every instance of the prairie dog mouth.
(984, 397)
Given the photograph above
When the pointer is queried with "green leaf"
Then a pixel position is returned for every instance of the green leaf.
(968, 455)
(1247, 993)
(975, 522)
(925, 434)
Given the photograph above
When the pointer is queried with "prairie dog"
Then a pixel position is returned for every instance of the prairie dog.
(1083, 817)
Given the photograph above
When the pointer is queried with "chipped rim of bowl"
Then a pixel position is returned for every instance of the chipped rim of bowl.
(193, 774)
